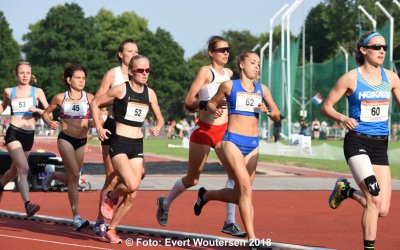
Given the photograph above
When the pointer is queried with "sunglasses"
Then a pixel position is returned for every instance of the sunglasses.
(141, 71)
(376, 47)
(222, 50)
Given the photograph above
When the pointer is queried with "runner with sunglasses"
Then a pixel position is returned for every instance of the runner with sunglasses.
(368, 90)
(207, 133)
(131, 101)
(246, 98)
(114, 77)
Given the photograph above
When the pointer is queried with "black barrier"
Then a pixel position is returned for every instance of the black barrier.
(37, 161)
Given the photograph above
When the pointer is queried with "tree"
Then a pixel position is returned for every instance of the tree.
(9, 53)
(317, 34)
(64, 36)
(112, 30)
(170, 76)
(239, 41)
(339, 22)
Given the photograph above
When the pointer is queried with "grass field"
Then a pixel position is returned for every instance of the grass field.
(159, 147)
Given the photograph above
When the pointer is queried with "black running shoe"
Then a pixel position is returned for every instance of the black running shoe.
(198, 205)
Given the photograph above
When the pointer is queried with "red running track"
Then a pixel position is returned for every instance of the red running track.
(295, 217)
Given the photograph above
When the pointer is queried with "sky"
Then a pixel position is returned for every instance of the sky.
(190, 22)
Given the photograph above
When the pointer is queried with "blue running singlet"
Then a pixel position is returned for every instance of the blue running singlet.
(369, 105)
(241, 102)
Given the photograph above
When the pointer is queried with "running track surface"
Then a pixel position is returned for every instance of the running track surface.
(295, 217)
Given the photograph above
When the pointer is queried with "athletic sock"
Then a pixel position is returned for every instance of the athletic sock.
(27, 203)
(230, 207)
(369, 244)
(348, 192)
(176, 190)
(351, 192)
(75, 217)
(1, 188)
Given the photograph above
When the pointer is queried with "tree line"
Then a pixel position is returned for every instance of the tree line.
(65, 36)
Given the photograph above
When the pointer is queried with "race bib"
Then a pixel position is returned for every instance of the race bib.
(21, 104)
(248, 102)
(374, 111)
(136, 112)
(75, 108)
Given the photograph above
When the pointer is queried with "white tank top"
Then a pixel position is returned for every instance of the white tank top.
(119, 77)
(209, 90)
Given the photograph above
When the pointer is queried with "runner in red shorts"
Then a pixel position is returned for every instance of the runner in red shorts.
(208, 132)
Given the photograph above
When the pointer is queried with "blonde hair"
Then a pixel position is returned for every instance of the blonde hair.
(240, 58)
(33, 77)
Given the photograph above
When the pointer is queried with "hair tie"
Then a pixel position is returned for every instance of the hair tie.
(369, 38)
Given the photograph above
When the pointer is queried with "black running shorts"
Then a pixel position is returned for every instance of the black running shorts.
(375, 147)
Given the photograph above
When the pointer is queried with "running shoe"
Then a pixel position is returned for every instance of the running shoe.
(100, 228)
(198, 205)
(336, 197)
(80, 223)
(31, 209)
(48, 178)
(234, 230)
(112, 237)
(107, 207)
(116, 200)
(162, 214)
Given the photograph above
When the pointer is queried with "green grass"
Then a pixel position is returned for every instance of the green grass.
(159, 147)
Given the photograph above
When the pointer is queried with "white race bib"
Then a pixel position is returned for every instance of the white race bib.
(75, 108)
(248, 102)
(374, 111)
(136, 112)
(21, 104)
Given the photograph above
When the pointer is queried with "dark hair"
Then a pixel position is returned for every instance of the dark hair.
(69, 71)
(359, 57)
(240, 58)
(212, 42)
(33, 78)
(121, 47)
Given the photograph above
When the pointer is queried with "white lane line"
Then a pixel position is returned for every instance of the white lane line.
(49, 241)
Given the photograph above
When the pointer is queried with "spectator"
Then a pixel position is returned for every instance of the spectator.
(316, 126)
(324, 129)
(303, 126)
(278, 128)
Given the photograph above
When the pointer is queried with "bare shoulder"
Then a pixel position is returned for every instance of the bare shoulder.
(110, 73)
(205, 71)
(227, 83)
(109, 77)
(263, 86)
(39, 91)
(392, 76)
(151, 91)
(90, 96)
(351, 75)
(230, 72)
(58, 98)
(7, 91)
(349, 79)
